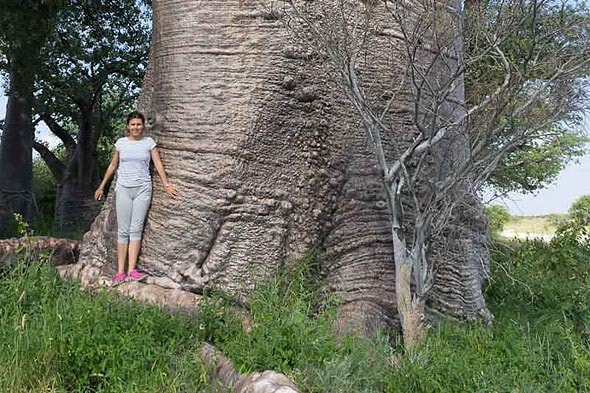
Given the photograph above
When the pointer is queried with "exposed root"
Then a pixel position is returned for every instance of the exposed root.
(54, 250)
(223, 372)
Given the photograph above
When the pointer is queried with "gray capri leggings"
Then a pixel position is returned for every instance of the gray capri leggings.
(132, 204)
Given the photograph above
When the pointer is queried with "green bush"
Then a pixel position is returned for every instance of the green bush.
(541, 298)
(579, 211)
(498, 217)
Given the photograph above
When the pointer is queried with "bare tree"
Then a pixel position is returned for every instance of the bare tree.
(454, 142)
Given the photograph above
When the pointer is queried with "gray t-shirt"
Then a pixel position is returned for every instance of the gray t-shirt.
(134, 161)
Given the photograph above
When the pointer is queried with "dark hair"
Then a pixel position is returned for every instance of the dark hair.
(136, 115)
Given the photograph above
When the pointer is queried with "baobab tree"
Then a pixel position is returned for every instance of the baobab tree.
(456, 142)
(24, 29)
(262, 114)
(85, 86)
(272, 163)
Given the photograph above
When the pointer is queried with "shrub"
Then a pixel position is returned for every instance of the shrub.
(579, 211)
(498, 217)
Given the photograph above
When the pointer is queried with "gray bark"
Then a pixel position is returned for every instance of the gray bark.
(16, 160)
(75, 207)
(271, 163)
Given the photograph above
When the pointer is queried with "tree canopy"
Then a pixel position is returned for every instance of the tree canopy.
(95, 59)
(579, 211)
(537, 38)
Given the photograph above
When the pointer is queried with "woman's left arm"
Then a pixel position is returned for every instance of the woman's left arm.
(170, 189)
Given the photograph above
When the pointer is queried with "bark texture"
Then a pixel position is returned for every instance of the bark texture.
(16, 162)
(271, 162)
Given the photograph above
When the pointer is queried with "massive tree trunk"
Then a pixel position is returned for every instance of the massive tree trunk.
(271, 163)
(75, 207)
(23, 33)
(76, 177)
(16, 161)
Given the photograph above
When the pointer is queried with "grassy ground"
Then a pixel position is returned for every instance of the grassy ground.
(534, 224)
(55, 337)
(530, 225)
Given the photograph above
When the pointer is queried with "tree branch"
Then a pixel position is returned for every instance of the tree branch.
(61, 133)
(56, 167)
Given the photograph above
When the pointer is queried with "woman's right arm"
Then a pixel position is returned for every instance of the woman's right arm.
(98, 194)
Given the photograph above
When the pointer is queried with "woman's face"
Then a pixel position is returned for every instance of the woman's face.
(135, 127)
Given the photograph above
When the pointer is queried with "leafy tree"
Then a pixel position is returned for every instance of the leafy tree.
(579, 211)
(556, 121)
(25, 26)
(535, 165)
(498, 216)
(94, 62)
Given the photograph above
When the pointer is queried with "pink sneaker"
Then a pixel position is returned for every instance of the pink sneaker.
(118, 279)
(136, 275)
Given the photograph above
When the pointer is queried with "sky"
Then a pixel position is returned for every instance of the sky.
(43, 132)
(572, 182)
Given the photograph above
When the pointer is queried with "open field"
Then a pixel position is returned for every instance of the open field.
(532, 227)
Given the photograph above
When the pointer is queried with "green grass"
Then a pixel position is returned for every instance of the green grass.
(56, 337)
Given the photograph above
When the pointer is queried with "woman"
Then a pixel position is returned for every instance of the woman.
(133, 192)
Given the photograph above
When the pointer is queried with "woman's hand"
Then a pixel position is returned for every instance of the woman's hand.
(171, 190)
(98, 194)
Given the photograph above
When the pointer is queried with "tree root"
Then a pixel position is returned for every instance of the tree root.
(223, 372)
(55, 251)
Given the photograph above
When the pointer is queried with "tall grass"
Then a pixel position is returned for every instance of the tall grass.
(56, 337)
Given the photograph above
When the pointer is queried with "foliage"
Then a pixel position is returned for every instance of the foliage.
(25, 24)
(19, 227)
(579, 211)
(95, 62)
(498, 216)
(575, 228)
(45, 192)
(95, 59)
(534, 166)
(536, 37)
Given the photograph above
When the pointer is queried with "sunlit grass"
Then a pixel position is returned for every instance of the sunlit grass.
(56, 337)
